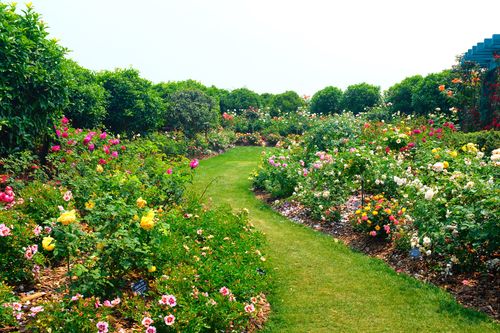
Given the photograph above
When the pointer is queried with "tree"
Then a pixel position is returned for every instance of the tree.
(427, 97)
(327, 101)
(239, 100)
(86, 105)
(32, 82)
(133, 105)
(401, 94)
(287, 102)
(360, 96)
(266, 99)
(192, 111)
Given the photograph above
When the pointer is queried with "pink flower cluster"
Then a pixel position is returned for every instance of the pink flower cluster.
(194, 163)
(7, 196)
(102, 326)
(169, 300)
(4, 230)
(31, 251)
(107, 303)
(272, 161)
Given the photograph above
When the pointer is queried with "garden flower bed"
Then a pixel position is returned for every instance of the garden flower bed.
(104, 238)
(427, 195)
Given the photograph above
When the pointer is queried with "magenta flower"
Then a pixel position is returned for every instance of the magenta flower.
(87, 139)
(194, 163)
(64, 134)
(55, 148)
(151, 329)
(102, 326)
(373, 233)
(169, 171)
(224, 291)
(64, 120)
(114, 154)
(102, 161)
(91, 147)
(103, 135)
(58, 133)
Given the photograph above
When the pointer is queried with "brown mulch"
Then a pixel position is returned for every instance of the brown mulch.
(480, 291)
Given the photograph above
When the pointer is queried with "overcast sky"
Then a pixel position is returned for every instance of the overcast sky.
(271, 45)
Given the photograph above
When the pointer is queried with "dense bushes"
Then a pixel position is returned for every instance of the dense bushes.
(32, 85)
(87, 98)
(240, 99)
(133, 105)
(360, 96)
(327, 101)
(192, 111)
(285, 103)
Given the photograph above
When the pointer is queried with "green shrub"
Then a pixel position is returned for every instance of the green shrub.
(358, 97)
(193, 112)
(33, 85)
(285, 103)
(327, 101)
(240, 99)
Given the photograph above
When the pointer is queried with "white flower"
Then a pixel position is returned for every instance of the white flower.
(480, 154)
(428, 252)
(426, 241)
(469, 185)
(429, 194)
(399, 181)
(438, 167)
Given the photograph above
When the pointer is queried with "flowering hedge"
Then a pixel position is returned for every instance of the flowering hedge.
(117, 213)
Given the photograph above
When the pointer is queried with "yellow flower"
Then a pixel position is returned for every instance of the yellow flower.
(434, 150)
(99, 168)
(100, 246)
(152, 269)
(453, 153)
(446, 164)
(141, 203)
(388, 211)
(377, 227)
(48, 243)
(358, 212)
(90, 205)
(147, 221)
(403, 209)
(375, 212)
(367, 207)
(67, 217)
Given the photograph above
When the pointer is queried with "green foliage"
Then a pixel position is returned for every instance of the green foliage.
(427, 97)
(266, 99)
(240, 99)
(87, 98)
(360, 96)
(327, 101)
(285, 103)
(192, 111)
(133, 105)
(400, 95)
(32, 85)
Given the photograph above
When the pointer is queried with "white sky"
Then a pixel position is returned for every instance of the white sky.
(271, 45)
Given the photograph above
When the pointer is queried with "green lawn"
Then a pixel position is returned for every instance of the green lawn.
(322, 286)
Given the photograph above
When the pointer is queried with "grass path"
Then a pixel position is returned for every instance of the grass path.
(322, 286)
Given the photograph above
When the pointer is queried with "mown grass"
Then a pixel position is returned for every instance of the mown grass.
(322, 286)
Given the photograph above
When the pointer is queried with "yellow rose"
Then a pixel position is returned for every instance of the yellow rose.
(48, 243)
(388, 211)
(377, 227)
(375, 212)
(147, 221)
(141, 203)
(152, 269)
(445, 165)
(358, 212)
(67, 217)
(99, 168)
(453, 153)
(434, 150)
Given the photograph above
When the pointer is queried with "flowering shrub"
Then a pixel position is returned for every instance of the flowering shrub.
(114, 212)
(446, 184)
(379, 217)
